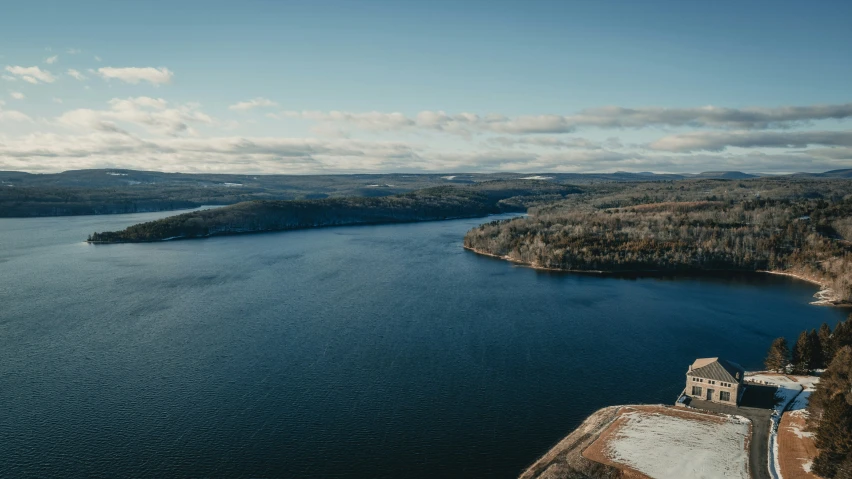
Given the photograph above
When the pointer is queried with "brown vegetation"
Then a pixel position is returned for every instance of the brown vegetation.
(795, 447)
(749, 225)
(428, 204)
(565, 460)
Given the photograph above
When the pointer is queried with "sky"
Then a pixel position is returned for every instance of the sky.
(333, 86)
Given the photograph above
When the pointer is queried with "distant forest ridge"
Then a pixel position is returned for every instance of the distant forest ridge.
(112, 191)
(428, 204)
(799, 226)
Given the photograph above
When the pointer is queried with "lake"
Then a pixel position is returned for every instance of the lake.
(377, 351)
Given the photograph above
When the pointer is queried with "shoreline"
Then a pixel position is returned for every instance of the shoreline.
(224, 233)
(824, 297)
(537, 267)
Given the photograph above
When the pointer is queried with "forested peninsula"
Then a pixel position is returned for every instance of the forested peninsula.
(798, 227)
(436, 203)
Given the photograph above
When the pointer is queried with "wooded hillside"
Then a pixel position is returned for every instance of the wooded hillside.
(797, 226)
(429, 204)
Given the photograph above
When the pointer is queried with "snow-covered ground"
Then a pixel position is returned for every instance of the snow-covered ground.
(801, 402)
(668, 446)
(792, 394)
(537, 177)
(798, 408)
(787, 388)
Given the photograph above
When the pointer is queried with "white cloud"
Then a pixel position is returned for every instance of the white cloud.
(134, 75)
(32, 75)
(51, 60)
(53, 152)
(97, 58)
(17, 95)
(152, 133)
(258, 102)
(373, 120)
(57, 100)
(752, 118)
(109, 144)
(718, 141)
(73, 51)
(546, 142)
(155, 115)
(8, 77)
(75, 74)
(13, 115)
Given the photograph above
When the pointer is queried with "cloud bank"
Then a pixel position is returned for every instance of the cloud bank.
(134, 75)
(34, 75)
(258, 102)
(718, 141)
(609, 117)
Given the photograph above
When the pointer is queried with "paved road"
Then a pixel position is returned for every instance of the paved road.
(756, 405)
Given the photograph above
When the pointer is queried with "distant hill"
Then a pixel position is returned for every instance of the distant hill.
(725, 175)
(112, 191)
(847, 173)
(437, 203)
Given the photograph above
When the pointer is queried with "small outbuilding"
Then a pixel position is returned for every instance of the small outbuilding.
(716, 380)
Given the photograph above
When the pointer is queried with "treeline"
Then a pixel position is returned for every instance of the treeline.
(135, 197)
(428, 204)
(830, 406)
(753, 225)
(88, 192)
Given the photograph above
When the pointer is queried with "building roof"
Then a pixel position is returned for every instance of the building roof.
(717, 369)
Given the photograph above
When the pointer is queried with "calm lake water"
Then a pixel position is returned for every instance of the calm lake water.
(381, 351)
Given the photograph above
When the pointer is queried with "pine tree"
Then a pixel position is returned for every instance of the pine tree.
(778, 356)
(845, 469)
(817, 359)
(826, 344)
(834, 434)
(826, 464)
(802, 354)
(842, 335)
(830, 408)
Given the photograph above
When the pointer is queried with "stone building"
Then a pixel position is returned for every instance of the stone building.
(716, 380)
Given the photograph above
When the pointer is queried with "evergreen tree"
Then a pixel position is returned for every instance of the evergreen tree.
(826, 464)
(842, 335)
(845, 469)
(778, 356)
(817, 359)
(834, 436)
(802, 354)
(826, 344)
(830, 408)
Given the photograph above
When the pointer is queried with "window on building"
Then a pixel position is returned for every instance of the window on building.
(724, 396)
(696, 390)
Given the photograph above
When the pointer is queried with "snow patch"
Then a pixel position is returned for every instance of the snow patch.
(664, 447)
(793, 393)
(801, 433)
(537, 177)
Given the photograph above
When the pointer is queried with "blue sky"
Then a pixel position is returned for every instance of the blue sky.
(362, 86)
